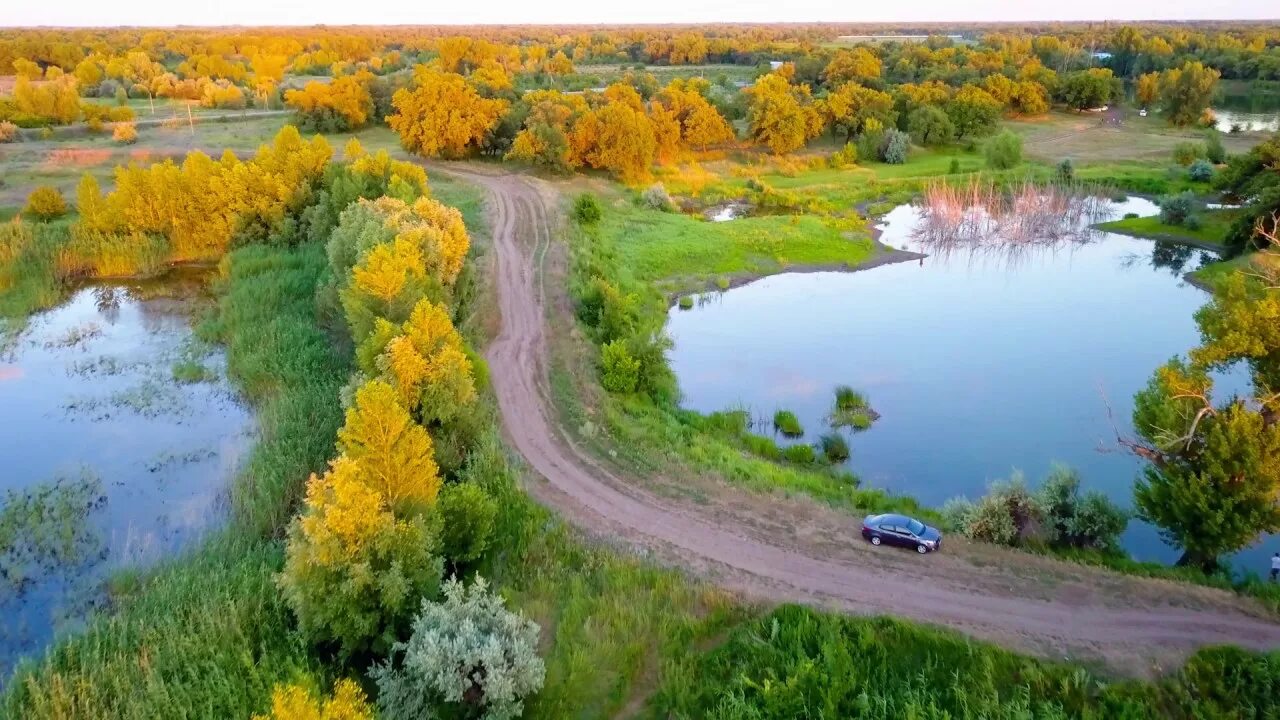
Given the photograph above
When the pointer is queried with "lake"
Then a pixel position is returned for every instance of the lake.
(108, 461)
(1248, 111)
(979, 362)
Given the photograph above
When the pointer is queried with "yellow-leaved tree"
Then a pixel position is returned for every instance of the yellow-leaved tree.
(425, 361)
(354, 573)
(402, 252)
(442, 115)
(853, 65)
(338, 106)
(295, 702)
(782, 116)
(394, 453)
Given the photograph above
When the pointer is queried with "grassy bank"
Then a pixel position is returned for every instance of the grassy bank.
(1208, 235)
(28, 254)
(797, 663)
(678, 250)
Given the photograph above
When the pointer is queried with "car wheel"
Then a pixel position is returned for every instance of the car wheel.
(875, 540)
(922, 549)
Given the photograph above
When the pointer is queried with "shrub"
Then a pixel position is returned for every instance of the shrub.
(587, 209)
(954, 167)
(786, 422)
(45, 203)
(845, 156)
(294, 702)
(8, 132)
(1074, 520)
(1200, 171)
(763, 446)
(656, 198)
(800, 454)
(125, 133)
(467, 651)
(1066, 171)
(1185, 153)
(621, 370)
(1007, 515)
(957, 513)
(1192, 223)
(834, 447)
(1214, 150)
(1175, 209)
(469, 516)
(869, 143)
(1004, 151)
(895, 146)
(353, 572)
(120, 94)
(991, 522)
(110, 89)
(686, 302)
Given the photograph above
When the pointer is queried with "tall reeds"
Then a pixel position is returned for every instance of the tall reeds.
(984, 215)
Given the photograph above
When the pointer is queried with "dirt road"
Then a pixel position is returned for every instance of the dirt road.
(789, 550)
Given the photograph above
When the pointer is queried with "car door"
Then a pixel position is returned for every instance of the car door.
(906, 538)
(892, 534)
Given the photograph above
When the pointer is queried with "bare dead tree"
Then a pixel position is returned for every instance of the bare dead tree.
(1266, 269)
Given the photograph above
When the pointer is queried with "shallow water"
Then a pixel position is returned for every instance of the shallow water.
(978, 362)
(1258, 112)
(1247, 121)
(728, 211)
(94, 422)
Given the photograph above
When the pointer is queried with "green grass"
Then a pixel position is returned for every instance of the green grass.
(28, 252)
(799, 663)
(191, 371)
(613, 627)
(208, 634)
(1210, 234)
(1213, 273)
(288, 368)
(786, 422)
(662, 246)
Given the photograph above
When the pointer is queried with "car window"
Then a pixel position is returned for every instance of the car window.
(888, 528)
(916, 527)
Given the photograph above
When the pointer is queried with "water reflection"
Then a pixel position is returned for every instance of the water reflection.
(976, 363)
(109, 462)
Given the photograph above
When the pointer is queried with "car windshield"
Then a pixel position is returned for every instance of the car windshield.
(916, 527)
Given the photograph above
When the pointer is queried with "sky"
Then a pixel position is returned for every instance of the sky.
(431, 12)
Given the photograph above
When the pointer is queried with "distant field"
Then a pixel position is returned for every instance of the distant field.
(1084, 138)
(60, 163)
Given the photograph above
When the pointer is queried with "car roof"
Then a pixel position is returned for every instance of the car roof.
(894, 518)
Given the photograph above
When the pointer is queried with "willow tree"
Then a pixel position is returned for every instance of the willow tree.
(1211, 483)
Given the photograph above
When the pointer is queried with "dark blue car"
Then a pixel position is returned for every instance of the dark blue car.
(890, 529)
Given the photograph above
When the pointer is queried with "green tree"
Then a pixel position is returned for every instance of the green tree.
(973, 111)
(1087, 89)
(1185, 92)
(1004, 151)
(1213, 466)
(1254, 175)
(930, 126)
